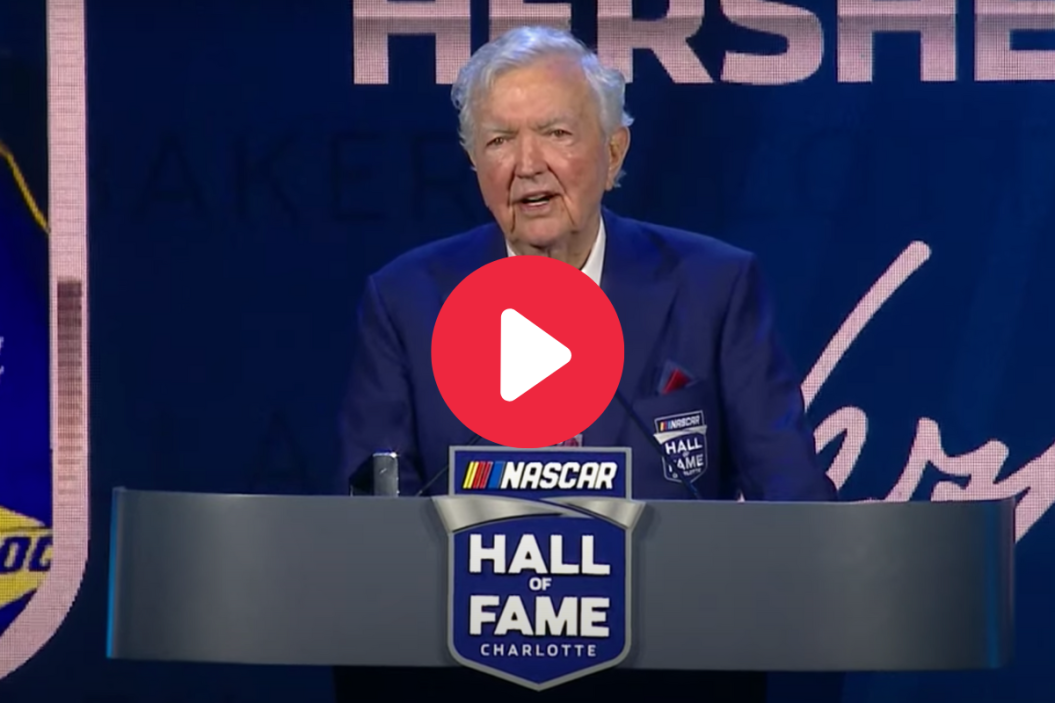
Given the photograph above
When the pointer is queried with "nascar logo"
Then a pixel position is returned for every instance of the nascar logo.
(680, 422)
(538, 475)
(537, 598)
(684, 439)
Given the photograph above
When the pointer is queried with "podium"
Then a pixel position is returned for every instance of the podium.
(341, 581)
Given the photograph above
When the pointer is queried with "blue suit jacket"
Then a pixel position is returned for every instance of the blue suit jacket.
(681, 297)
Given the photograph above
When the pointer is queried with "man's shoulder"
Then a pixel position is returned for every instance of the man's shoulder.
(687, 248)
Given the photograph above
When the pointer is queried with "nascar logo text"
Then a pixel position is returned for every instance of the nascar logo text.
(537, 475)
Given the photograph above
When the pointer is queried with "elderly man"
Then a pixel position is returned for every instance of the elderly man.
(544, 126)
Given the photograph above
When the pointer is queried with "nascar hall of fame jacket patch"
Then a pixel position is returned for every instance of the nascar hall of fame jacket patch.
(25, 449)
(684, 439)
(539, 562)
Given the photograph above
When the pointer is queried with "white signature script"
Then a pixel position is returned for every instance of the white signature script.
(1032, 484)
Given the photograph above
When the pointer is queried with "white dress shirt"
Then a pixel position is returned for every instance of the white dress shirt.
(592, 268)
(594, 262)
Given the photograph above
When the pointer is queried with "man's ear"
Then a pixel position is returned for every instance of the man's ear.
(618, 145)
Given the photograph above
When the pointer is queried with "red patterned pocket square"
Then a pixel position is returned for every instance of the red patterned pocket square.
(673, 378)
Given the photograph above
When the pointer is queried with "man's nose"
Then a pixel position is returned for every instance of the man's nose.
(530, 161)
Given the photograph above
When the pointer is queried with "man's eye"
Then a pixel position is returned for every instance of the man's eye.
(496, 141)
(559, 132)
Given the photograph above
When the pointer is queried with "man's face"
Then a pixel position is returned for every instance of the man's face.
(541, 156)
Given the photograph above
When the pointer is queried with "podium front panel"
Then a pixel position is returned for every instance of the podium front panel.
(309, 580)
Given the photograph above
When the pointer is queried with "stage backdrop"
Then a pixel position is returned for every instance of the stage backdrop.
(892, 164)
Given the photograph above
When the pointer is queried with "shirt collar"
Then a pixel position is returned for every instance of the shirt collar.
(594, 262)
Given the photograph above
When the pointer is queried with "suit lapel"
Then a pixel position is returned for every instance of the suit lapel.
(483, 246)
(636, 280)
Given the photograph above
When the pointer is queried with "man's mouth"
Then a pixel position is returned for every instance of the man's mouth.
(536, 199)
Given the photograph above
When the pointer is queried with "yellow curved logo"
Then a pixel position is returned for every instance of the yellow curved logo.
(25, 555)
(23, 188)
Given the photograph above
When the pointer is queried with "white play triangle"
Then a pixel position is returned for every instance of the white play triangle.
(529, 355)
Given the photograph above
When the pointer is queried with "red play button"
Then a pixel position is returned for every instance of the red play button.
(527, 352)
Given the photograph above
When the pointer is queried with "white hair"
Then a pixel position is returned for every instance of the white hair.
(522, 46)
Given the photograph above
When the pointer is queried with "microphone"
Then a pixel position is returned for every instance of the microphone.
(643, 426)
(378, 475)
(446, 467)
